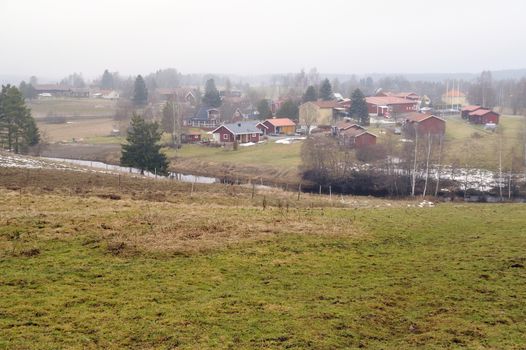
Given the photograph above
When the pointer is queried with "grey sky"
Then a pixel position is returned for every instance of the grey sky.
(56, 37)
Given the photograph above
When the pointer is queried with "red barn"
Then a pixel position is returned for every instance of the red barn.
(191, 137)
(468, 109)
(384, 105)
(356, 137)
(241, 132)
(483, 116)
(424, 124)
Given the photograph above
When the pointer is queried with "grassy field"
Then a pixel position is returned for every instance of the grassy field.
(90, 262)
(72, 107)
(81, 129)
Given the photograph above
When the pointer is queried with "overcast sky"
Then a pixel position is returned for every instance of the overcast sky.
(56, 37)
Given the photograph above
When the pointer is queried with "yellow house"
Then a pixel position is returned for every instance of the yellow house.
(318, 112)
(455, 98)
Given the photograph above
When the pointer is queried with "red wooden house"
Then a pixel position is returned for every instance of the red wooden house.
(357, 137)
(468, 109)
(483, 116)
(241, 132)
(385, 105)
(424, 124)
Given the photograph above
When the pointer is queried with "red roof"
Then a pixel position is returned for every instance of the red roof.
(281, 122)
(482, 111)
(470, 108)
(352, 132)
(388, 100)
(418, 117)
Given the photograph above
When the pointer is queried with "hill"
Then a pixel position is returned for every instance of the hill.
(93, 260)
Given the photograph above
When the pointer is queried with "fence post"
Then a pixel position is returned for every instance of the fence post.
(320, 190)
(299, 191)
(330, 193)
(253, 190)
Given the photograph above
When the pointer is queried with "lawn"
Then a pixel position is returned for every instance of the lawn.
(271, 154)
(90, 130)
(81, 270)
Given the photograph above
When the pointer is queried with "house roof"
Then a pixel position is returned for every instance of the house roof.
(470, 108)
(418, 117)
(347, 124)
(388, 100)
(352, 132)
(482, 111)
(327, 104)
(281, 122)
(404, 95)
(203, 113)
(241, 128)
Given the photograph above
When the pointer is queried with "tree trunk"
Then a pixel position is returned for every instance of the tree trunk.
(413, 184)
(429, 142)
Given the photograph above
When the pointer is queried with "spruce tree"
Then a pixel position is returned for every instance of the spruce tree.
(359, 109)
(18, 129)
(326, 90)
(288, 109)
(140, 92)
(142, 150)
(264, 109)
(106, 81)
(211, 98)
(310, 94)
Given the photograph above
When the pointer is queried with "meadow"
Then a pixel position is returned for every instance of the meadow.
(99, 261)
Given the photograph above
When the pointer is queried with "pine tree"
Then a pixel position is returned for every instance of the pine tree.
(211, 98)
(18, 129)
(326, 90)
(264, 109)
(140, 92)
(142, 150)
(310, 94)
(106, 81)
(288, 109)
(359, 109)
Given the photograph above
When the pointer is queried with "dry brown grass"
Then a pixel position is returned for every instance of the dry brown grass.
(135, 214)
(78, 129)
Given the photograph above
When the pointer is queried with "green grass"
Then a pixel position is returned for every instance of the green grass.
(452, 276)
(112, 140)
(71, 107)
(269, 154)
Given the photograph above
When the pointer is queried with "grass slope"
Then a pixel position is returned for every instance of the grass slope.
(80, 271)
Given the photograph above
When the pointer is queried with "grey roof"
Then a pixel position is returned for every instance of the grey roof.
(202, 113)
(239, 128)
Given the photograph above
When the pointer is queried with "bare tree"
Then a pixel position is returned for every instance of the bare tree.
(429, 144)
(439, 163)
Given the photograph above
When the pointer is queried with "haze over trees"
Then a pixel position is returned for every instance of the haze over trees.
(107, 81)
(310, 94)
(140, 92)
(142, 149)
(288, 109)
(172, 121)
(326, 90)
(211, 98)
(18, 129)
(264, 109)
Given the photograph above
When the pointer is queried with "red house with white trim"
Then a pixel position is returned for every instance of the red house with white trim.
(241, 132)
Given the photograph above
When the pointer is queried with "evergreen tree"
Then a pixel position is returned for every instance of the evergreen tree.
(326, 90)
(288, 109)
(264, 109)
(142, 150)
(106, 82)
(18, 129)
(211, 98)
(27, 90)
(140, 92)
(359, 109)
(310, 94)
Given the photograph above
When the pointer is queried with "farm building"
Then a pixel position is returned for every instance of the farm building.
(424, 124)
(53, 90)
(483, 116)
(281, 126)
(191, 137)
(387, 105)
(454, 98)
(320, 112)
(343, 125)
(241, 132)
(357, 137)
(468, 109)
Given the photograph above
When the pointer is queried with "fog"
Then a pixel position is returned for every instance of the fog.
(56, 37)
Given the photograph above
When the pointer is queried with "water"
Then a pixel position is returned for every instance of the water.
(117, 168)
